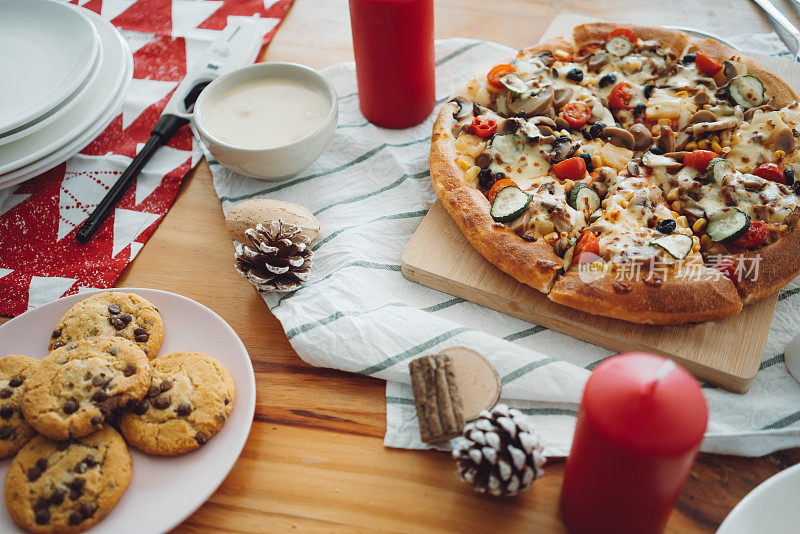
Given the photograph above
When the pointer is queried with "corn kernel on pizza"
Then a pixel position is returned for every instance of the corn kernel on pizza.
(627, 171)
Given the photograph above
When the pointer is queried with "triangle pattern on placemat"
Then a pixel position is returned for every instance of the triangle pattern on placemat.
(128, 224)
(81, 190)
(135, 248)
(5, 272)
(187, 15)
(44, 289)
(137, 40)
(150, 16)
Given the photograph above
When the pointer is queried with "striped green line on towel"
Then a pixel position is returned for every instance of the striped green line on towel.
(333, 317)
(525, 333)
(783, 423)
(525, 369)
(594, 364)
(363, 157)
(413, 351)
(383, 189)
(769, 362)
(788, 293)
(443, 305)
(549, 411)
(395, 216)
(456, 53)
(400, 400)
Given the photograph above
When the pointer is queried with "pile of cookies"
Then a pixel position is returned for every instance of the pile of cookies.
(62, 416)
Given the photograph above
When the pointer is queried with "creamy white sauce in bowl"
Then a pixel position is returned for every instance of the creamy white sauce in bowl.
(266, 113)
(269, 120)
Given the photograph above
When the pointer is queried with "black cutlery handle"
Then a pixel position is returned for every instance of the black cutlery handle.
(165, 128)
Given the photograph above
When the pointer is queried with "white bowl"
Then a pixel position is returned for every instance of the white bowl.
(277, 163)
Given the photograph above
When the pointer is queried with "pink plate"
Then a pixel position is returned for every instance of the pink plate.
(164, 490)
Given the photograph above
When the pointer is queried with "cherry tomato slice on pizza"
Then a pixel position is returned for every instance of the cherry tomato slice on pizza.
(587, 243)
(620, 96)
(755, 235)
(570, 169)
(699, 159)
(484, 126)
(623, 32)
(706, 65)
(576, 114)
(727, 267)
(498, 72)
(498, 185)
(771, 172)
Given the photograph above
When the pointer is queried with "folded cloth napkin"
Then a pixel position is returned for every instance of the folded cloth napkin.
(370, 190)
(40, 259)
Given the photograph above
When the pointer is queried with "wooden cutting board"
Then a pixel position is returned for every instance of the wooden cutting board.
(725, 353)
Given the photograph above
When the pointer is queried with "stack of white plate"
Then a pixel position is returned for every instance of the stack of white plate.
(65, 71)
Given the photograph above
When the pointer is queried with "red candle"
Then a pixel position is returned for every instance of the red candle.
(640, 424)
(393, 45)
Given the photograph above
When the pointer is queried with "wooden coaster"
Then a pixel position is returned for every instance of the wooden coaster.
(450, 388)
(477, 380)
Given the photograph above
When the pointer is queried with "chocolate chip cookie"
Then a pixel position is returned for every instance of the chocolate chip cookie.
(78, 387)
(112, 314)
(67, 486)
(190, 398)
(14, 431)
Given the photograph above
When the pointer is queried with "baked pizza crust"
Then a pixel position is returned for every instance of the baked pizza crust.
(678, 300)
(706, 297)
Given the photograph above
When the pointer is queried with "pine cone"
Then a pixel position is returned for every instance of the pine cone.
(500, 453)
(279, 259)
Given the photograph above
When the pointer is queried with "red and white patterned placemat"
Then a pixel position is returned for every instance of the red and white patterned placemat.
(40, 259)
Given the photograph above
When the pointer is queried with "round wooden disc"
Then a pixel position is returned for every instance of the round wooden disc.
(478, 382)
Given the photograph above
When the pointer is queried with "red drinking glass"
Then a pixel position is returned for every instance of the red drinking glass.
(393, 45)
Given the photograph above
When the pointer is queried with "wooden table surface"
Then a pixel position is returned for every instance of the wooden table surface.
(315, 458)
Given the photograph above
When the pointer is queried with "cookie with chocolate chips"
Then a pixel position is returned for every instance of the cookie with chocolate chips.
(111, 313)
(67, 486)
(78, 387)
(14, 431)
(189, 399)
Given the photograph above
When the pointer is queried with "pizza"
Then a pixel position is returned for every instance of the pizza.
(627, 171)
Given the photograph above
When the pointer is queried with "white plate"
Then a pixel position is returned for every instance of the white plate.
(115, 70)
(59, 111)
(163, 490)
(47, 49)
(771, 507)
(58, 157)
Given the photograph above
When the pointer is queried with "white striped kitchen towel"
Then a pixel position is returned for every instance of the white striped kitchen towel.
(370, 190)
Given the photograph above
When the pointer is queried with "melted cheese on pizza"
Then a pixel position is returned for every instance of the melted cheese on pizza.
(760, 199)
